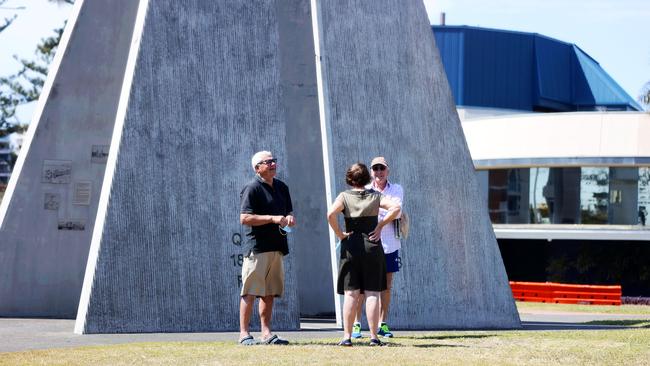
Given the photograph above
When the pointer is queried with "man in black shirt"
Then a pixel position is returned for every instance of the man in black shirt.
(266, 211)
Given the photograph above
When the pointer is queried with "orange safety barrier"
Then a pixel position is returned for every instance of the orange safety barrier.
(562, 293)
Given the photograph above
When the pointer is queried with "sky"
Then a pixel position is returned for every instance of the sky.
(610, 31)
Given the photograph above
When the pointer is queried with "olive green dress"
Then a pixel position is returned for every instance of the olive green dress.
(362, 265)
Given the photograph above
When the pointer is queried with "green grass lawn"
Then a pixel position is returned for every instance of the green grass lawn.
(593, 347)
(561, 347)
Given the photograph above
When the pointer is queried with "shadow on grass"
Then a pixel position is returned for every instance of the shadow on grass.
(360, 343)
(394, 342)
(441, 337)
(434, 345)
(386, 344)
(643, 323)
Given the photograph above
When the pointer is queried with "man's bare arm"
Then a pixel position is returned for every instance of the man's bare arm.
(257, 220)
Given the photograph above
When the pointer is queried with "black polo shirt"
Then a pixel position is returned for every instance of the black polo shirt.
(259, 198)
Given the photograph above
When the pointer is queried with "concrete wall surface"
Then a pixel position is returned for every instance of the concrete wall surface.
(48, 213)
(206, 84)
(386, 94)
(206, 94)
(305, 157)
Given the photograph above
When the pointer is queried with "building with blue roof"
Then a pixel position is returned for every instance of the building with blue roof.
(562, 154)
(525, 71)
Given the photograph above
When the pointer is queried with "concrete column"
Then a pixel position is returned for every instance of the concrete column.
(387, 94)
(204, 92)
(48, 212)
(304, 149)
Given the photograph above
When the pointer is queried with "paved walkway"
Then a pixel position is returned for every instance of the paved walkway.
(31, 334)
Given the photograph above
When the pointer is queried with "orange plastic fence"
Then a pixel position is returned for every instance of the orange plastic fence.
(562, 293)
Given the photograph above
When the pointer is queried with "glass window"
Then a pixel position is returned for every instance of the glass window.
(587, 195)
(562, 195)
(643, 202)
(594, 195)
(508, 196)
(623, 193)
(538, 206)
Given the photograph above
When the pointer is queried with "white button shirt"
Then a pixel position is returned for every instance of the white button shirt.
(388, 240)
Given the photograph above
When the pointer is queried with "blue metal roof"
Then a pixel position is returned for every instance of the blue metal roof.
(524, 71)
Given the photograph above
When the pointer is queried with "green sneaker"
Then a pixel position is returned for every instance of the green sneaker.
(384, 331)
(356, 330)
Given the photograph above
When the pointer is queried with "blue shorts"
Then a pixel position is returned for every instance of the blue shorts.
(392, 262)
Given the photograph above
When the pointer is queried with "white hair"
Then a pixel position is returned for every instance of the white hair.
(258, 157)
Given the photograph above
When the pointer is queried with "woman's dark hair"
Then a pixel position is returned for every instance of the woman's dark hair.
(357, 175)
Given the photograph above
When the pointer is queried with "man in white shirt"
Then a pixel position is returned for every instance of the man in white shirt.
(389, 240)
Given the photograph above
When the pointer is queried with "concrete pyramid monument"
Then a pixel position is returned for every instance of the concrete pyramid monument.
(202, 94)
(384, 93)
(48, 212)
(203, 86)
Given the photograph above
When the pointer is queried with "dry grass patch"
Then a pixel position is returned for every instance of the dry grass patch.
(620, 347)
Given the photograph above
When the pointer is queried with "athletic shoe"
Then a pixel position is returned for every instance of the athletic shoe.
(375, 343)
(384, 331)
(356, 330)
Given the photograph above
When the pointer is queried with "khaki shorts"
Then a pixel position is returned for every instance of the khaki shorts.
(263, 275)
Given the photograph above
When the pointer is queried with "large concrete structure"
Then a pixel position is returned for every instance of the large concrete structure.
(43, 266)
(208, 83)
(205, 80)
(304, 148)
(48, 212)
(384, 92)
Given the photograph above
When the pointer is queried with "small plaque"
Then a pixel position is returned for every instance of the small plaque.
(99, 154)
(72, 225)
(52, 201)
(57, 171)
(82, 192)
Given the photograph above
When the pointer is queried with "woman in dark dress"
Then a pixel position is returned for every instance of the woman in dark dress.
(362, 268)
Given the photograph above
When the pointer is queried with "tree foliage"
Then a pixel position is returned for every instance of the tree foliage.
(6, 22)
(25, 85)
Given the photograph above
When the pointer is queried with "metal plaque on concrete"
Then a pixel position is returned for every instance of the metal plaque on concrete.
(99, 154)
(56, 171)
(72, 225)
(82, 193)
(51, 201)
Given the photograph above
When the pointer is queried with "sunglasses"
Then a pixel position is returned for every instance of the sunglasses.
(268, 162)
(378, 167)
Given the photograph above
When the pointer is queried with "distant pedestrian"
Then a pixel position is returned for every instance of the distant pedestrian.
(265, 210)
(642, 215)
